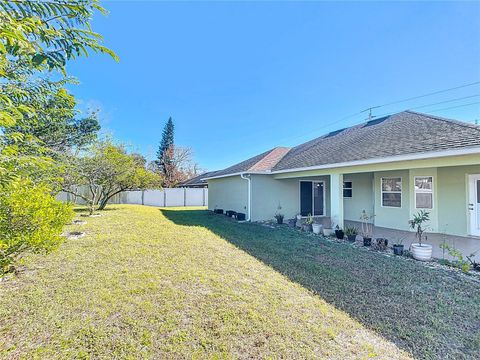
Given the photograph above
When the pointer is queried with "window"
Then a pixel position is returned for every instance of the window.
(347, 189)
(392, 192)
(423, 192)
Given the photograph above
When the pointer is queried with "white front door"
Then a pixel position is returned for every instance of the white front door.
(474, 204)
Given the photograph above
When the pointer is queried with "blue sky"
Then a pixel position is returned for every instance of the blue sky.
(240, 78)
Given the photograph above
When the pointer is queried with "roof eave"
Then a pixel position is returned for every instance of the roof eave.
(416, 156)
(239, 173)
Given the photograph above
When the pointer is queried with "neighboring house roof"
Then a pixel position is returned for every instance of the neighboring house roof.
(260, 163)
(198, 180)
(405, 133)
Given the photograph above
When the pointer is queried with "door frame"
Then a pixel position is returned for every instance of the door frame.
(313, 197)
(472, 204)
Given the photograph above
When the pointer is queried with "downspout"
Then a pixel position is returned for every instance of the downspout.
(247, 177)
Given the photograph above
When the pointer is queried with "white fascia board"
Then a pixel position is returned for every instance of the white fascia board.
(238, 174)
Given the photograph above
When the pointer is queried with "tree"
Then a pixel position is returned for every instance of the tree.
(166, 143)
(178, 166)
(30, 220)
(56, 126)
(106, 170)
(37, 39)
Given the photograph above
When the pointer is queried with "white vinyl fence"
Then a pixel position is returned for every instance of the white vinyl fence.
(165, 198)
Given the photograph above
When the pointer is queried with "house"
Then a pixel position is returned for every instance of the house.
(391, 167)
(198, 181)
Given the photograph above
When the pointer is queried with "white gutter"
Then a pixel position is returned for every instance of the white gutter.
(419, 156)
(238, 173)
(247, 177)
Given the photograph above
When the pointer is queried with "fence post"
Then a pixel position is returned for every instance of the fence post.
(184, 196)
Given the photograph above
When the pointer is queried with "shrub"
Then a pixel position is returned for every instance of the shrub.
(30, 220)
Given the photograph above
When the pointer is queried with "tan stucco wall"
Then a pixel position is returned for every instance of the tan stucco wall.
(268, 192)
(228, 193)
(449, 214)
(452, 187)
(362, 196)
(450, 198)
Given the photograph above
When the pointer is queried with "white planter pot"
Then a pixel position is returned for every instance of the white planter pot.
(317, 228)
(423, 252)
(327, 232)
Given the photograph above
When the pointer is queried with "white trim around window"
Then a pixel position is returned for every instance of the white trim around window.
(397, 189)
(425, 187)
(348, 186)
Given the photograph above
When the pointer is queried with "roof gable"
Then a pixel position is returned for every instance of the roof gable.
(262, 163)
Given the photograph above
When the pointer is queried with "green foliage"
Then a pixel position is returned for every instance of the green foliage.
(30, 220)
(54, 124)
(310, 220)
(459, 261)
(418, 224)
(36, 38)
(351, 230)
(106, 170)
(37, 116)
(163, 160)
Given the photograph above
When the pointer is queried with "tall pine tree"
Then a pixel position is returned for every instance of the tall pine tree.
(165, 144)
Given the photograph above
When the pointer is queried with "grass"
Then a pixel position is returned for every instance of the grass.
(431, 313)
(145, 283)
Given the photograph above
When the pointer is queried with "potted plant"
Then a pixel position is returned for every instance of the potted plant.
(367, 228)
(339, 233)
(420, 251)
(351, 232)
(278, 215)
(381, 244)
(307, 225)
(279, 218)
(398, 246)
(327, 229)
(317, 228)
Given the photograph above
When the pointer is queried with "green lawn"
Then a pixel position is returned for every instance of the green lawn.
(151, 283)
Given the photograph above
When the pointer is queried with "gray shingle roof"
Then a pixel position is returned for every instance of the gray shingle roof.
(198, 180)
(404, 133)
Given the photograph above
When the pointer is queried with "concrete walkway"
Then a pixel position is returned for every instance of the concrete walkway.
(467, 245)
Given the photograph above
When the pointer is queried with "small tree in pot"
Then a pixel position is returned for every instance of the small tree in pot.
(367, 228)
(420, 251)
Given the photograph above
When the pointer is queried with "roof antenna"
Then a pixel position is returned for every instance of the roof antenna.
(370, 116)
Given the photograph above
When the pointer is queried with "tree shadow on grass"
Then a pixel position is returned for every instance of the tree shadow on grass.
(432, 313)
